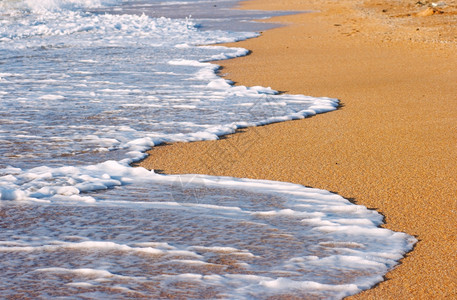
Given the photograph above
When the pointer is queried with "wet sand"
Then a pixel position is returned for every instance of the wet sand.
(392, 145)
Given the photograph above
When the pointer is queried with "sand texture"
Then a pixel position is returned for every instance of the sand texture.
(392, 145)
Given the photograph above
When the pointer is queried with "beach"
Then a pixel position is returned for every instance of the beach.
(86, 89)
(391, 146)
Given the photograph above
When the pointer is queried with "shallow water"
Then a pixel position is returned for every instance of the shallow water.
(192, 237)
(86, 87)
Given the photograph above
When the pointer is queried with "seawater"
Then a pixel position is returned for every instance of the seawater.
(86, 87)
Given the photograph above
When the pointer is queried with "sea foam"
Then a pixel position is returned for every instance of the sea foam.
(237, 237)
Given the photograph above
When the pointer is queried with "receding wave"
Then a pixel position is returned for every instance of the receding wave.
(197, 237)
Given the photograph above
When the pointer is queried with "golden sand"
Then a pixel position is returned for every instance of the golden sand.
(393, 144)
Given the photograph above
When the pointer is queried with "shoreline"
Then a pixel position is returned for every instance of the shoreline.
(395, 73)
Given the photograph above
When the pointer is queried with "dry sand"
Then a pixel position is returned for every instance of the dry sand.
(393, 144)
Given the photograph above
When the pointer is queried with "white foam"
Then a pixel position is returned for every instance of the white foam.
(286, 284)
(83, 272)
(96, 246)
(54, 5)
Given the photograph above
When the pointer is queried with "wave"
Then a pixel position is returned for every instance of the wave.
(16, 6)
